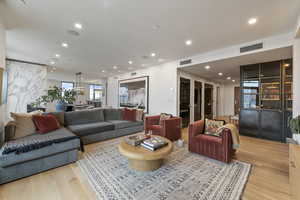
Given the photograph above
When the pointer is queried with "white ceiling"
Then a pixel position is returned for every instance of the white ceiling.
(231, 67)
(116, 31)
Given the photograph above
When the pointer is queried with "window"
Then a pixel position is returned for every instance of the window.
(96, 92)
(66, 86)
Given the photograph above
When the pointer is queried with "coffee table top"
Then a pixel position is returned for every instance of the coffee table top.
(140, 153)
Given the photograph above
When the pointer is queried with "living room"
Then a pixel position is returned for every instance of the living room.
(87, 88)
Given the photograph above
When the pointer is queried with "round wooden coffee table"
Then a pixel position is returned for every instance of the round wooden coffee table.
(142, 159)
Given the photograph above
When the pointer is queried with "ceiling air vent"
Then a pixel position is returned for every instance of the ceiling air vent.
(251, 47)
(133, 73)
(185, 62)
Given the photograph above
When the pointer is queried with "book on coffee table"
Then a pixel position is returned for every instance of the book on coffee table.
(152, 148)
(153, 143)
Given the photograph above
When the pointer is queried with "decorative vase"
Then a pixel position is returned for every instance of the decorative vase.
(60, 106)
(296, 137)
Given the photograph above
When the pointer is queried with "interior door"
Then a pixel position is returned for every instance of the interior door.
(197, 101)
(184, 102)
(237, 100)
(208, 101)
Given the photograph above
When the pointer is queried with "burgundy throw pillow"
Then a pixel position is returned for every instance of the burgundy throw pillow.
(45, 123)
(129, 114)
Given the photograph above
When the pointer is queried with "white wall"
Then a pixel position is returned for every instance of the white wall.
(3, 117)
(227, 101)
(273, 42)
(296, 75)
(162, 88)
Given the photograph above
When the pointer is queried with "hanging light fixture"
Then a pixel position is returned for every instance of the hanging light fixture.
(78, 84)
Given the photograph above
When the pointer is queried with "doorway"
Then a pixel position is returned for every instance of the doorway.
(237, 100)
(184, 106)
(208, 101)
(197, 101)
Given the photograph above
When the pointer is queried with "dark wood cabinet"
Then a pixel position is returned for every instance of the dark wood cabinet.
(266, 100)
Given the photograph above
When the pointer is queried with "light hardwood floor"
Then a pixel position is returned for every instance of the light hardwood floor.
(269, 178)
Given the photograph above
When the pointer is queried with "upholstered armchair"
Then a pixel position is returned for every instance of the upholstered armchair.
(169, 128)
(219, 148)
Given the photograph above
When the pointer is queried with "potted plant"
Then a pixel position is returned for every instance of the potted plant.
(59, 95)
(294, 125)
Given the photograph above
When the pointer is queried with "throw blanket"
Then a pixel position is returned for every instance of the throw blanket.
(34, 142)
(234, 134)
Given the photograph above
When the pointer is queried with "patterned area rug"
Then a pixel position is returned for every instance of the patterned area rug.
(184, 175)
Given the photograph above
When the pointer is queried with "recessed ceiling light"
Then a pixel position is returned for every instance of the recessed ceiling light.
(252, 21)
(103, 71)
(153, 54)
(64, 45)
(233, 80)
(78, 26)
(220, 74)
(52, 62)
(188, 42)
(57, 55)
(228, 78)
(115, 67)
(207, 67)
(130, 62)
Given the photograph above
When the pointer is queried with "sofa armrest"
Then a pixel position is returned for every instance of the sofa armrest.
(10, 130)
(196, 128)
(172, 128)
(150, 120)
(227, 143)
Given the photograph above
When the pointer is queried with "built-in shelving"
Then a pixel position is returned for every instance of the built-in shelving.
(266, 99)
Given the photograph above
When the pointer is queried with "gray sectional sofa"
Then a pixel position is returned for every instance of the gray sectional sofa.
(100, 124)
(80, 127)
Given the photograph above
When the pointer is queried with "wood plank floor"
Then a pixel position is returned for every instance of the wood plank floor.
(268, 179)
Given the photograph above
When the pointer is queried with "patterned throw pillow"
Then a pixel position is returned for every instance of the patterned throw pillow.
(212, 127)
(164, 116)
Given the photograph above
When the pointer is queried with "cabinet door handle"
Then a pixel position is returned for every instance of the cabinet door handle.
(293, 164)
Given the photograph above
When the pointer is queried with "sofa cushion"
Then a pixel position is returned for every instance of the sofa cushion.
(212, 127)
(119, 124)
(112, 114)
(13, 158)
(84, 116)
(24, 124)
(45, 123)
(91, 128)
(60, 116)
(129, 114)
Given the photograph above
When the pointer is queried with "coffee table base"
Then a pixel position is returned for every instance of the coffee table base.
(145, 165)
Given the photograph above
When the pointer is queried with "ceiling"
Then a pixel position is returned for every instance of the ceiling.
(231, 67)
(116, 31)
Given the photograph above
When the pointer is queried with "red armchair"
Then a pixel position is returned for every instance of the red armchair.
(219, 148)
(169, 128)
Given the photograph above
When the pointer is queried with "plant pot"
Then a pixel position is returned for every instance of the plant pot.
(60, 106)
(296, 137)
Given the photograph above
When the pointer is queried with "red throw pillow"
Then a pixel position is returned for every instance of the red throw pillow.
(45, 123)
(129, 114)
